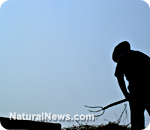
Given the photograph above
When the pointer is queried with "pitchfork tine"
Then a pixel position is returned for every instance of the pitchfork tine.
(104, 108)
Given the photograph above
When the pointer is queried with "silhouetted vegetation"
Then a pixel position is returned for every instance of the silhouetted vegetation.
(109, 126)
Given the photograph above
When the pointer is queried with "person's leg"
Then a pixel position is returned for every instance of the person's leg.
(137, 113)
(148, 108)
(147, 102)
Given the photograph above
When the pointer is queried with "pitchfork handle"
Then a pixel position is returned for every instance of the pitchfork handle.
(115, 103)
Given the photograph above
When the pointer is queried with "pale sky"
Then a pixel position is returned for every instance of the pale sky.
(56, 55)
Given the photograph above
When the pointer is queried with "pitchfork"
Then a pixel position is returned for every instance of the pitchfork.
(102, 109)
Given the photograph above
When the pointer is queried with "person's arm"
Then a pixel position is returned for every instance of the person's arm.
(123, 88)
(119, 73)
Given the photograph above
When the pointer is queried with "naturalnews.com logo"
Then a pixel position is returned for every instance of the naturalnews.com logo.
(52, 117)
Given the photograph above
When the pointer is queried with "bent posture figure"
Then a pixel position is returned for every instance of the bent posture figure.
(135, 66)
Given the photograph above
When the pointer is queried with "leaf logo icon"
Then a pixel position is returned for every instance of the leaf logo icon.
(2, 1)
(147, 1)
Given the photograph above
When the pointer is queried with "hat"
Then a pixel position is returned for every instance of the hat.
(119, 49)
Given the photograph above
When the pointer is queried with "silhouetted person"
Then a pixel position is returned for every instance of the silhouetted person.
(135, 66)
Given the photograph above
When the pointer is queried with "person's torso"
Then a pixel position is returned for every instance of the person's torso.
(136, 67)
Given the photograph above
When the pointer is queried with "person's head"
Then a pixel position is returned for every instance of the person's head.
(120, 49)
